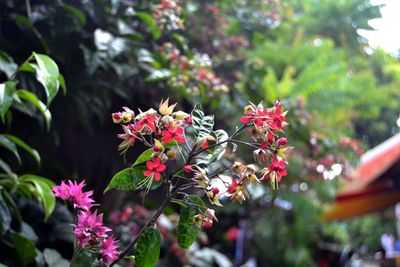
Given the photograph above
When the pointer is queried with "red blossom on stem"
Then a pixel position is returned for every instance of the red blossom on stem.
(278, 166)
(173, 134)
(155, 167)
(146, 124)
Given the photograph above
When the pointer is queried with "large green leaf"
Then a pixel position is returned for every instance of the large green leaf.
(5, 216)
(24, 146)
(148, 248)
(150, 22)
(145, 156)
(43, 192)
(7, 90)
(25, 247)
(47, 74)
(5, 167)
(34, 100)
(5, 142)
(187, 231)
(7, 65)
(127, 179)
(54, 259)
(202, 125)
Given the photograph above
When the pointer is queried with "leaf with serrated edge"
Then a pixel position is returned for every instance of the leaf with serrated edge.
(187, 231)
(148, 248)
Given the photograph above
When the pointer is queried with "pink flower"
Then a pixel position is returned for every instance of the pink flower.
(109, 250)
(173, 134)
(89, 228)
(73, 192)
(155, 167)
(61, 191)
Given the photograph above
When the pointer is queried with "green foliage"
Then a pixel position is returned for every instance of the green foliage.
(25, 247)
(43, 192)
(148, 248)
(202, 125)
(86, 259)
(145, 156)
(187, 231)
(127, 179)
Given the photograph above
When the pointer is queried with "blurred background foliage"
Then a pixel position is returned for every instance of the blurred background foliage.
(342, 95)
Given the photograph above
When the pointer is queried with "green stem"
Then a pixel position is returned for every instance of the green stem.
(77, 250)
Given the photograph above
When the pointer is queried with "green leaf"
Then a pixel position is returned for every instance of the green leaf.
(47, 74)
(43, 192)
(34, 100)
(25, 248)
(86, 259)
(76, 12)
(5, 216)
(62, 84)
(219, 151)
(5, 142)
(187, 231)
(5, 167)
(150, 22)
(148, 248)
(159, 75)
(202, 125)
(24, 146)
(6, 97)
(7, 64)
(127, 179)
(54, 259)
(145, 156)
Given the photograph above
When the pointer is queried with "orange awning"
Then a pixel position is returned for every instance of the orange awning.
(373, 186)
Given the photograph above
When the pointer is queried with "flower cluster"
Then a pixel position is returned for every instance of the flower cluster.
(159, 130)
(194, 73)
(167, 15)
(163, 131)
(264, 125)
(88, 229)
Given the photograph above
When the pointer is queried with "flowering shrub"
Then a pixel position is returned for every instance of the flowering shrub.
(185, 154)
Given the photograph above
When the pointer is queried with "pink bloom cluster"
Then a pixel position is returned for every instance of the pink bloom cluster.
(88, 229)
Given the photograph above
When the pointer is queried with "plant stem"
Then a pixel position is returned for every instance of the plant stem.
(77, 250)
(149, 222)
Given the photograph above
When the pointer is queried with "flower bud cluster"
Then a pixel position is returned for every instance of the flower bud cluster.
(167, 15)
(192, 72)
(88, 229)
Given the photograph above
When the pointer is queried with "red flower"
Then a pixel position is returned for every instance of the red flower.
(277, 117)
(165, 4)
(233, 233)
(249, 117)
(155, 167)
(173, 134)
(278, 166)
(146, 124)
(262, 117)
(232, 188)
